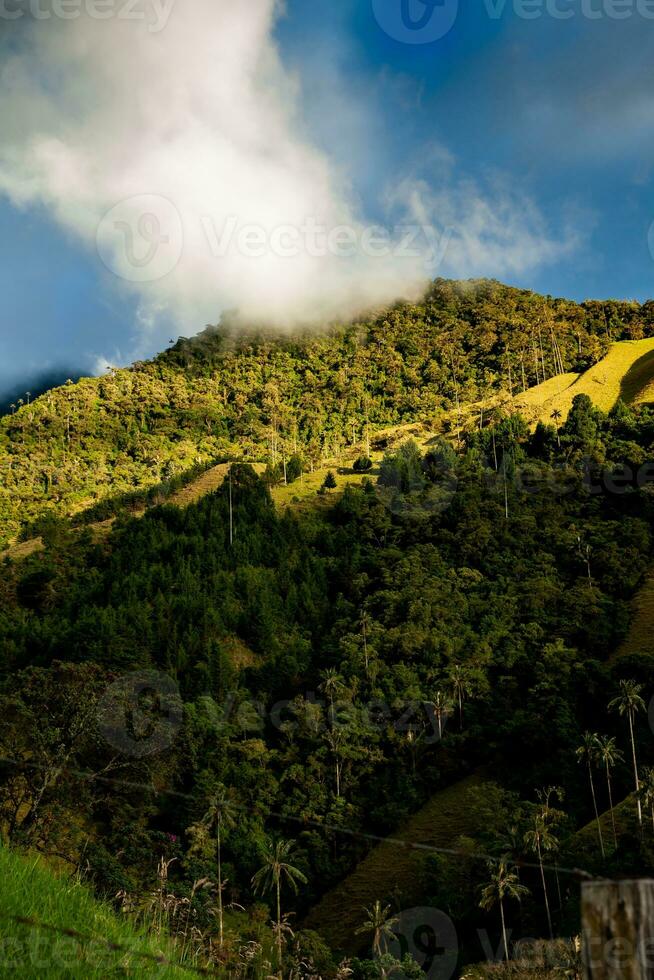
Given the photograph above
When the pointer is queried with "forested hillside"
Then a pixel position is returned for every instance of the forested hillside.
(317, 677)
(232, 393)
(213, 713)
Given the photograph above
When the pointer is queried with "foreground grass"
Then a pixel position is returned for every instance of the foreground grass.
(29, 890)
(540, 960)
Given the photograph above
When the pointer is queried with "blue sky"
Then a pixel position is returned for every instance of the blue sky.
(560, 109)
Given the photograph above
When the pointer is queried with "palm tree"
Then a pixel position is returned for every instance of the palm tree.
(538, 839)
(276, 870)
(380, 923)
(647, 791)
(442, 706)
(556, 416)
(332, 684)
(610, 755)
(503, 884)
(334, 737)
(628, 702)
(553, 816)
(222, 813)
(365, 622)
(461, 686)
(587, 753)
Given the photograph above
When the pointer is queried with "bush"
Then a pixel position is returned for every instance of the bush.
(293, 469)
(362, 464)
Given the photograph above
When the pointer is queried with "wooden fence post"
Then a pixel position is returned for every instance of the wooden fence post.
(617, 920)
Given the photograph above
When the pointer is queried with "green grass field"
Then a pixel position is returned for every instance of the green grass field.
(31, 891)
(626, 372)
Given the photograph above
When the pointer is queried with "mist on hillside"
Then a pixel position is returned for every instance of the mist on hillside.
(174, 146)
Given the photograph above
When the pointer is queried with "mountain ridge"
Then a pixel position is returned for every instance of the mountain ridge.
(222, 396)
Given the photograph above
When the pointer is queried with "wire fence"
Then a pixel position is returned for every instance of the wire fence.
(303, 821)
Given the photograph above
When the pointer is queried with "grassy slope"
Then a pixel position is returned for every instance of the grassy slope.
(585, 840)
(626, 372)
(300, 494)
(640, 638)
(391, 871)
(30, 890)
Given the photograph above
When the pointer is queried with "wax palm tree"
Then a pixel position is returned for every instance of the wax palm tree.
(539, 838)
(442, 706)
(609, 755)
(277, 870)
(461, 686)
(380, 923)
(556, 416)
(503, 884)
(587, 754)
(221, 815)
(647, 791)
(628, 702)
(552, 816)
(332, 684)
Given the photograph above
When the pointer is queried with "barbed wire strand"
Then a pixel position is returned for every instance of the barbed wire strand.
(576, 873)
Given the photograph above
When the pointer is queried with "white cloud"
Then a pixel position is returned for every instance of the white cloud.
(492, 228)
(99, 115)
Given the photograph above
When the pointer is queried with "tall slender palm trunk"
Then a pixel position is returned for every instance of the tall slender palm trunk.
(608, 783)
(546, 896)
(220, 891)
(599, 826)
(506, 945)
(636, 779)
(558, 884)
(279, 928)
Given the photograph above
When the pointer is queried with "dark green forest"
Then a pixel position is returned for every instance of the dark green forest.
(215, 711)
